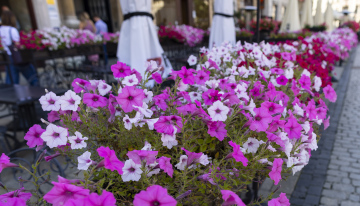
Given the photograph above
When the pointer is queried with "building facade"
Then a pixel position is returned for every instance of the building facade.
(34, 14)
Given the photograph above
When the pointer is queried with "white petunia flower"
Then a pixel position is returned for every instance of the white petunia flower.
(84, 161)
(151, 122)
(69, 101)
(218, 111)
(183, 162)
(77, 141)
(103, 88)
(144, 110)
(169, 140)
(131, 171)
(192, 60)
(252, 145)
(148, 96)
(50, 102)
(130, 80)
(317, 83)
(55, 136)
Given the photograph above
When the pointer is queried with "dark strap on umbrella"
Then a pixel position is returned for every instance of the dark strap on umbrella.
(132, 14)
(224, 15)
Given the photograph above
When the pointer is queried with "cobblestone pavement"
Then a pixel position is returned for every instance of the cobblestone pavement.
(332, 176)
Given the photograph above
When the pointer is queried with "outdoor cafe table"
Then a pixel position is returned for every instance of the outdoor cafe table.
(22, 100)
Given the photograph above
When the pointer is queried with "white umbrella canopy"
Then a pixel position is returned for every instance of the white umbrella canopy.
(223, 26)
(138, 41)
(306, 16)
(329, 17)
(319, 16)
(291, 20)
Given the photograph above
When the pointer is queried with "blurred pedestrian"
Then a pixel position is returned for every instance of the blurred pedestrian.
(100, 25)
(86, 23)
(10, 36)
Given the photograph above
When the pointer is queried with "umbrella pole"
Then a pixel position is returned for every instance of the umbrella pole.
(257, 21)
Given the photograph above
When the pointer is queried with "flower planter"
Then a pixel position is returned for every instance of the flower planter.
(276, 40)
(111, 48)
(244, 39)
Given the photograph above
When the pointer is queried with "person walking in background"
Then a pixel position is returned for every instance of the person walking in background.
(9, 36)
(87, 24)
(100, 25)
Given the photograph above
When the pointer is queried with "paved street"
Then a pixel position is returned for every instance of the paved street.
(332, 176)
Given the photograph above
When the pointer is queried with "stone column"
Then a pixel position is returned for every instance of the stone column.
(68, 12)
(279, 11)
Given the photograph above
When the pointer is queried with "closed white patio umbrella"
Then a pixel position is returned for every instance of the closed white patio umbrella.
(319, 16)
(138, 41)
(291, 20)
(329, 17)
(223, 25)
(306, 16)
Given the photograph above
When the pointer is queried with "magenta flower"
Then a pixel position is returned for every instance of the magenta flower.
(211, 96)
(5, 162)
(139, 155)
(282, 80)
(165, 164)
(261, 120)
(120, 70)
(276, 123)
(105, 199)
(186, 75)
(13, 197)
(271, 108)
(286, 56)
(33, 136)
(217, 129)
(275, 173)
(305, 82)
(154, 195)
(110, 161)
(166, 124)
(160, 101)
(330, 93)
(129, 97)
(192, 156)
(83, 84)
(293, 128)
(282, 200)
(157, 77)
(237, 154)
(202, 76)
(94, 100)
(61, 193)
(326, 123)
(295, 88)
(187, 109)
(230, 198)
(311, 110)
(53, 116)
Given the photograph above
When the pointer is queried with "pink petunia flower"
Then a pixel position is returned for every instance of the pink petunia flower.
(61, 193)
(55, 136)
(202, 76)
(53, 116)
(305, 82)
(5, 162)
(261, 120)
(217, 129)
(154, 195)
(326, 123)
(157, 77)
(230, 198)
(120, 70)
(293, 128)
(165, 164)
(50, 102)
(186, 75)
(33, 136)
(237, 154)
(275, 173)
(139, 155)
(94, 100)
(83, 84)
(105, 199)
(110, 161)
(282, 80)
(15, 197)
(271, 108)
(130, 96)
(166, 124)
(282, 200)
(330, 93)
(160, 101)
(211, 96)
